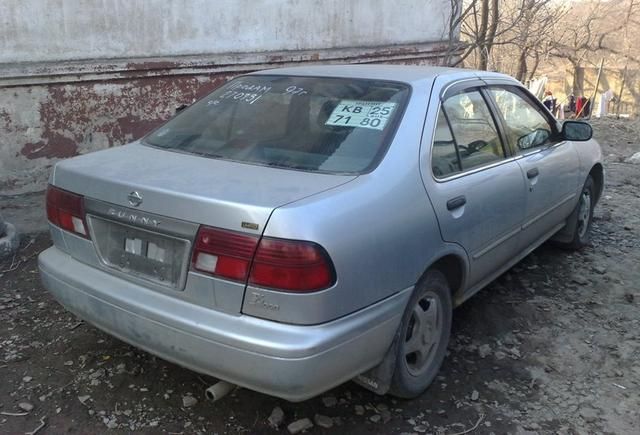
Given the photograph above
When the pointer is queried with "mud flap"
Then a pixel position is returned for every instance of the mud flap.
(378, 379)
(565, 235)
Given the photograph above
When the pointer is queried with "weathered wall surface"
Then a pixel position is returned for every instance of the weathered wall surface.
(55, 30)
(82, 75)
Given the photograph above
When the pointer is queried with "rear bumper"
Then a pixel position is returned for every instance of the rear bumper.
(289, 361)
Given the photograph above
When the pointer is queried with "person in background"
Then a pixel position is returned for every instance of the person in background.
(549, 101)
(572, 103)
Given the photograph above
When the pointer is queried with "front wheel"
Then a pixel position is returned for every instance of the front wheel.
(424, 336)
(582, 217)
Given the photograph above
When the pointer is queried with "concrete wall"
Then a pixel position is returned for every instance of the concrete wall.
(55, 30)
(82, 75)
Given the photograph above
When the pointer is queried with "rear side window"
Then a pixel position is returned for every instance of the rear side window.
(444, 160)
(466, 135)
(526, 127)
(308, 123)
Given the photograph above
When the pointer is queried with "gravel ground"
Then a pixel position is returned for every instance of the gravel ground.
(550, 347)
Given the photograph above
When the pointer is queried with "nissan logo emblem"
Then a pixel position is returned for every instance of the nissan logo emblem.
(135, 199)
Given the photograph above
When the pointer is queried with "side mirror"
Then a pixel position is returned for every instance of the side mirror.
(577, 131)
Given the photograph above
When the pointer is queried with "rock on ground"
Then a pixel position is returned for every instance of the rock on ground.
(323, 421)
(9, 239)
(299, 426)
(635, 159)
(25, 406)
(329, 401)
(277, 417)
(189, 401)
(484, 350)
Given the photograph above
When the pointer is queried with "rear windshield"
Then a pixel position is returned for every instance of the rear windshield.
(314, 124)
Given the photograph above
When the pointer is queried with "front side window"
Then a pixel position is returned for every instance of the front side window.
(314, 124)
(466, 135)
(526, 127)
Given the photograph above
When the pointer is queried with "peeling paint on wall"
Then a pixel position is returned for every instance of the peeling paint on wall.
(41, 124)
(80, 118)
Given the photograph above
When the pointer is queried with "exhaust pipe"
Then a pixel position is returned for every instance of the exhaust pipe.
(218, 390)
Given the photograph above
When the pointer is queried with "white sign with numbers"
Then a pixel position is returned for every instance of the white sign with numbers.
(364, 114)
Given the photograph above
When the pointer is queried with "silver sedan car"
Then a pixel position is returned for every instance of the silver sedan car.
(301, 227)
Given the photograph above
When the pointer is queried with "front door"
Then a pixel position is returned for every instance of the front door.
(549, 166)
(476, 187)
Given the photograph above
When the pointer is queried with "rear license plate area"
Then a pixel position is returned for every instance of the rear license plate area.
(149, 255)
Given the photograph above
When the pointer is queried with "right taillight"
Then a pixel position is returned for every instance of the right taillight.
(279, 264)
(291, 265)
(66, 210)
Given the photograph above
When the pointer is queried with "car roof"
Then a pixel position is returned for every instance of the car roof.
(402, 73)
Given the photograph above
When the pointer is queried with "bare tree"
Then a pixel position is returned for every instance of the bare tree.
(487, 24)
(519, 37)
(480, 28)
(600, 29)
(459, 12)
(533, 35)
(453, 30)
(579, 37)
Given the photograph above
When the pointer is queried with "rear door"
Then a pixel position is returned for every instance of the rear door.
(550, 166)
(476, 187)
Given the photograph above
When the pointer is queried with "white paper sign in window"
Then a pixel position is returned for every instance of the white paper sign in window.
(364, 114)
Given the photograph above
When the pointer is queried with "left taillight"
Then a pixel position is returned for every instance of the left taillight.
(224, 253)
(66, 210)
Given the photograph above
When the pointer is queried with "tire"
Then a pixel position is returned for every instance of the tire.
(424, 336)
(582, 217)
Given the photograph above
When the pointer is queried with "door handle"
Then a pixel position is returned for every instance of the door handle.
(532, 173)
(456, 202)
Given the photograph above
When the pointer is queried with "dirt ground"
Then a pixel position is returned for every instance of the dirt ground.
(550, 347)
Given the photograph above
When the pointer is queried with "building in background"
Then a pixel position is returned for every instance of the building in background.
(83, 75)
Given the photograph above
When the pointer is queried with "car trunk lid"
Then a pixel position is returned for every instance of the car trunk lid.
(188, 187)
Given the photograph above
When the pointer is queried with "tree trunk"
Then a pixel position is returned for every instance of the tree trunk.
(489, 19)
(521, 75)
(574, 86)
(536, 64)
(482, 36)
(493, 28)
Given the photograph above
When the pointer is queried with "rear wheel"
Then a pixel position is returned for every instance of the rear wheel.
(425, 331)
